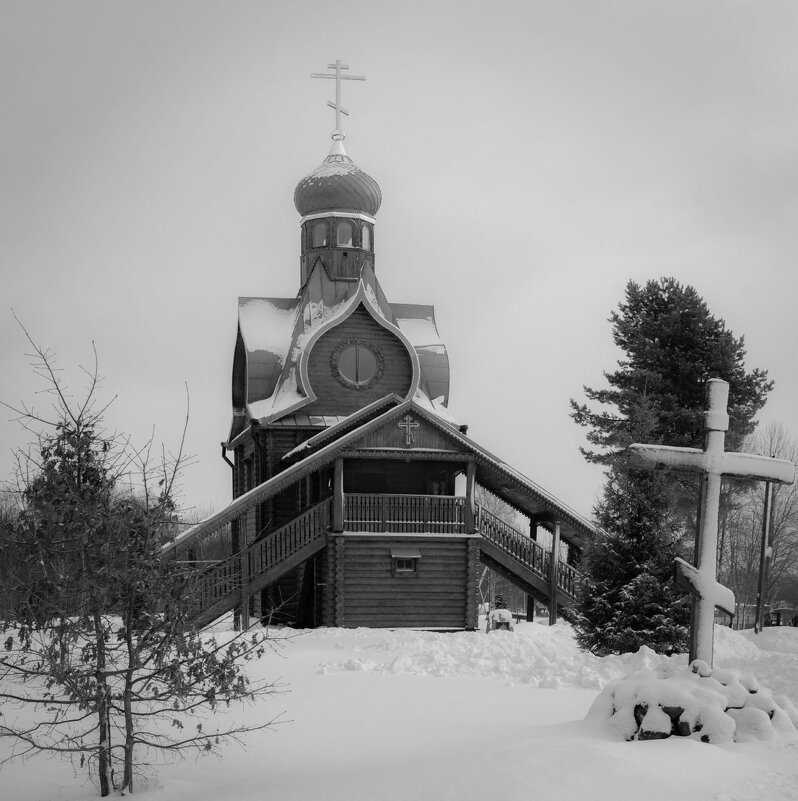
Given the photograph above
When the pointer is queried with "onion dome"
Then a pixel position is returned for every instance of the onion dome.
(337, 184)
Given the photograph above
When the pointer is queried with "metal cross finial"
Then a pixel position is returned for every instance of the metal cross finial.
(713, 463)
(338, 133)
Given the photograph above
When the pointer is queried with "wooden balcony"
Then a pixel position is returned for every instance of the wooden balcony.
(445, 514)
(404, 514)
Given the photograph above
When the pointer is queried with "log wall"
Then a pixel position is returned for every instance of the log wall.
(367, 594)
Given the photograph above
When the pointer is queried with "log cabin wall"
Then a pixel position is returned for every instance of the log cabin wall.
(328, 590)
(271, 444)
(335, 397)
(370, 593)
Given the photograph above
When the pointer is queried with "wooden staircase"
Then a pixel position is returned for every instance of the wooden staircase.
(220, 588)
(223, 586)
(523, 561)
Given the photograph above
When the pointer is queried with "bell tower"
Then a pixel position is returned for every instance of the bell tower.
(337, 202)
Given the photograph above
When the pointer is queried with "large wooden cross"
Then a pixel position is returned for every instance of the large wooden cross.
(713, 463)
(339, 109)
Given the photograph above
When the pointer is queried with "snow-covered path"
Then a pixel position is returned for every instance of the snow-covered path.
(417, 715)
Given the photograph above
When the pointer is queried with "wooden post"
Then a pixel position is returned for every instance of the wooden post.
(530, 608)
(472, 586)
(244, 567)
(338, 495)
(470, 521)
(764, 559)
(554, 568)
(340, 555)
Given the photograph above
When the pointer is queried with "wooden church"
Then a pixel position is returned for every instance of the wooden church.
(355, 489)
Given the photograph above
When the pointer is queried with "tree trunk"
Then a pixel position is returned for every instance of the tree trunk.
(104, 766)
(127, 698)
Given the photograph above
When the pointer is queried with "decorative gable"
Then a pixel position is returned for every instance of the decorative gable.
(356, 362)
(409, 431)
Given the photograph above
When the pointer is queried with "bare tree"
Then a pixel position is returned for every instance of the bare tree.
(742, 528)
(100, 658)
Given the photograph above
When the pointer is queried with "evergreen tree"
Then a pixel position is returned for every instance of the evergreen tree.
(672, 345)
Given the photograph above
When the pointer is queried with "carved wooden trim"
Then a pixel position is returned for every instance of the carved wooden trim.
(405, 454)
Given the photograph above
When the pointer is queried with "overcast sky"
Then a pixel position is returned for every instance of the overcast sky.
(533, 157)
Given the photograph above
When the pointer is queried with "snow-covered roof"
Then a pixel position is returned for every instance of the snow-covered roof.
(337, 184)
(417, 323)
(278, 334)
(265, 325)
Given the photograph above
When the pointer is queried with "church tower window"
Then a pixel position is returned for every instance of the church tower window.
(344, 234)
(365, 238)
(320, 235)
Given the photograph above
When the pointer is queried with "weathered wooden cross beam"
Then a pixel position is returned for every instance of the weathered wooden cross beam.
(713, 463)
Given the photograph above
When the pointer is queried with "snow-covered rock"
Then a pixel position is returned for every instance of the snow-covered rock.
(714, 706)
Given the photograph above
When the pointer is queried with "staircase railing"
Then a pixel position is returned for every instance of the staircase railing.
(513, 542)
(524, 550)
(224, 579)
(410, 514)
(280, 545)
(567, 578)
(216, 583)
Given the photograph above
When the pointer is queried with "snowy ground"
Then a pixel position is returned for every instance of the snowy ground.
(384, 715)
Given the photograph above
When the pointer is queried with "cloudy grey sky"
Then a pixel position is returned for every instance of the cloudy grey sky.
(533, 157)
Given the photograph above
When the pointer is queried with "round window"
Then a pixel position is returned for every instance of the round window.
(358, 364)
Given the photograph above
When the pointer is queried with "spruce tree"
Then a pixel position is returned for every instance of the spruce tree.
(672, 346)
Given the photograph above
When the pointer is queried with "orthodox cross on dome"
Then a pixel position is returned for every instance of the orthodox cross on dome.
(713, 463)
(409, 425)
(338, 133)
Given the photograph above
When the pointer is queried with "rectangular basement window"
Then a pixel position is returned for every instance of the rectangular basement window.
(404, 561)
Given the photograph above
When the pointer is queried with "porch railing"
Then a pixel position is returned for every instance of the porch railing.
(408, 514)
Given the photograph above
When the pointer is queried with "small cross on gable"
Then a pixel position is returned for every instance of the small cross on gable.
(713, 463)
(409, 425)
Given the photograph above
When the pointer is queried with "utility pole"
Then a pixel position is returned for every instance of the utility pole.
(764, 559)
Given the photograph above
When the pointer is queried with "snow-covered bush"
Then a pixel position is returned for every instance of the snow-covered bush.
(714, 706)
